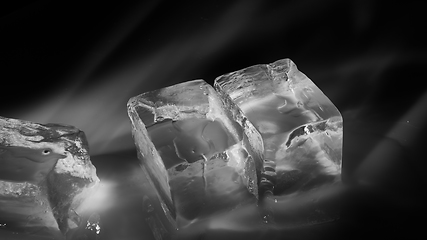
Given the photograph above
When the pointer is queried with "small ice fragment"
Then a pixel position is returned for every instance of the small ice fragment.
(45, 175)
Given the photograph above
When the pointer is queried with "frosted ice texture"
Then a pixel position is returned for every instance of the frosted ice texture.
(301, 128)
(198, 149)
(45, 175)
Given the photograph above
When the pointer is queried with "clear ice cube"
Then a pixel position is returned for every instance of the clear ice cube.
(301, 128)
(199, 152)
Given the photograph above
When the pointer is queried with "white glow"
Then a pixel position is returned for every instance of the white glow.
(100, 201)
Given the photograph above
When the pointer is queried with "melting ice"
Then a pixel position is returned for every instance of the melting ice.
(301, 128)
(196, 150)
(267, 137)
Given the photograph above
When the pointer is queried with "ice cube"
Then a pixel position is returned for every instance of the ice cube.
(198, 150)
(45, 175)
(301, 128)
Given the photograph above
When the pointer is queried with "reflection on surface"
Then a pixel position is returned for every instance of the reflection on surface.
(124, 213)
(127, 206)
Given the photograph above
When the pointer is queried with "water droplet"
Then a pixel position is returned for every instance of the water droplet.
(159, 119)
(46, 151)
(147, 204)
(92, 230)
(283, 108)
(307, 89)
(284, 104)
(265, 219)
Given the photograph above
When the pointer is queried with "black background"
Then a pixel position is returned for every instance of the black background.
(78, 62)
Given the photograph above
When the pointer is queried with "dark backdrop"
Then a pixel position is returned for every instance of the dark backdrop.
(78, 62)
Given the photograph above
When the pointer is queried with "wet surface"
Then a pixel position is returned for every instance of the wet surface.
(126, 205)
(124, 214)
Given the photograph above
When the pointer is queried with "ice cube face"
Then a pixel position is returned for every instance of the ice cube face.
(198, 150)
(302, 130)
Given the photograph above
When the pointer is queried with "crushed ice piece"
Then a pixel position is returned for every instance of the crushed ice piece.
(46, 174)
